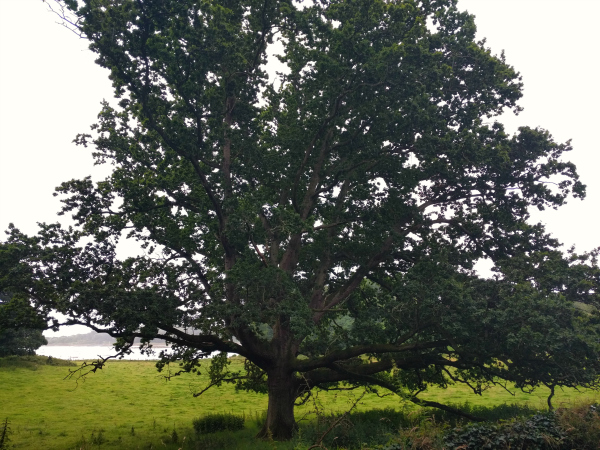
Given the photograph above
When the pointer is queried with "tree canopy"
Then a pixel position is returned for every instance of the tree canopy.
(322, 222)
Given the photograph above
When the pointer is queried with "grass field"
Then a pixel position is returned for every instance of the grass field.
(129, 405)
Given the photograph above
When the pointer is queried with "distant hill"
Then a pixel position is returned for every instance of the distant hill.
(92, 339)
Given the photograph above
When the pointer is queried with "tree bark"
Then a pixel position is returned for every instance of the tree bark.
(283, 391)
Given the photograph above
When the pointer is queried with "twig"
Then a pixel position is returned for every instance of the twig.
(93, 367)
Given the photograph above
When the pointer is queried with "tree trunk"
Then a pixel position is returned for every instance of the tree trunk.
(283, 389)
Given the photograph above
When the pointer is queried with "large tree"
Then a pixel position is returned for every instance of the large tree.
(322, 222)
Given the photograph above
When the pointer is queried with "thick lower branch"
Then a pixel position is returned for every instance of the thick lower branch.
(389, 386)
(206, 343)
(353, 352)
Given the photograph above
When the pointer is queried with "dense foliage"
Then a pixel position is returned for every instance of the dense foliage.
(20, 328)
(322, 222)
(24, 341)
(542, 431)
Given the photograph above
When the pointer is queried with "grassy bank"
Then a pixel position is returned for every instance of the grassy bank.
(129, 405)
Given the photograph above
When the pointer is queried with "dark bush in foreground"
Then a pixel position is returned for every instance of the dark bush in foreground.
(539, 432)
(218, 422)
(566, 429)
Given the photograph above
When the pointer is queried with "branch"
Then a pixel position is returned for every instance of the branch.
(218, 382)
(256, 249)
(389, 386)
(320, 376)
(206, 342)
(364, 270)
(70, 25)
(447, 408)
(352, 352)
(92, 367)
(475, 389)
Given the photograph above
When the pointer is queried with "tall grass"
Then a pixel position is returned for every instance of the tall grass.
(582, 426)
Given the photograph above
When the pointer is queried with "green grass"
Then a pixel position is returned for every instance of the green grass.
(129, 405)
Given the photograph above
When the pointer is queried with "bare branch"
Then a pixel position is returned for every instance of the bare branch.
(70, 22)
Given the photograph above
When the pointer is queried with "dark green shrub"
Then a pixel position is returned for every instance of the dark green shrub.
(540, 432)
(218, 422)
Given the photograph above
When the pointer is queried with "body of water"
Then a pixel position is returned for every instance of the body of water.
(73, 352)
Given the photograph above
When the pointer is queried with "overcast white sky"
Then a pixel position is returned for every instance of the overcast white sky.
(50, 90)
